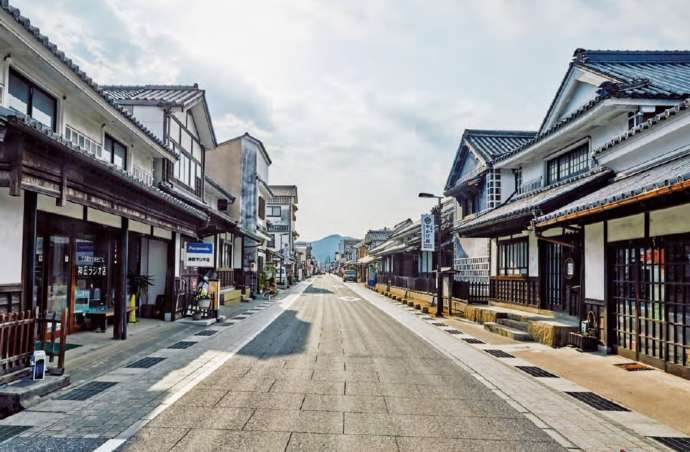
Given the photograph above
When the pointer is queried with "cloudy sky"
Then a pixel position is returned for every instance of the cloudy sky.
(360, 103)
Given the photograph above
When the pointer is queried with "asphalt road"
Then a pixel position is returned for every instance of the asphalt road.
(335, 373)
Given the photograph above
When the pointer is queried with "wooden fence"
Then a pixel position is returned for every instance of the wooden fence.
(17, 330)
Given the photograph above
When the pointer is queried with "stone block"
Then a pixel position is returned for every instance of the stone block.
(551, 333)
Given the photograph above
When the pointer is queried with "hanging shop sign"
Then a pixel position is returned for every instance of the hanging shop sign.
(428, 226)
(199, 254)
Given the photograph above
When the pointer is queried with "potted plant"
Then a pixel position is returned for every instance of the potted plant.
(138, 286)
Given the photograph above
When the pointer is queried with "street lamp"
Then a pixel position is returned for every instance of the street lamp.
(439, 254)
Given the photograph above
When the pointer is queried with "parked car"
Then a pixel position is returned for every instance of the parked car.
(350, 275)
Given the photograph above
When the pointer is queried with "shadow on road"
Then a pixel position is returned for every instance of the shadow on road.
(287, 335)
(317, 290)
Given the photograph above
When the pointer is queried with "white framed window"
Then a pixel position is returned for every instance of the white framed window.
(83, 142)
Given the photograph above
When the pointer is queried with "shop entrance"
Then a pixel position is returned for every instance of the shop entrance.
(73, 271)
(561, 276)
(649, 294)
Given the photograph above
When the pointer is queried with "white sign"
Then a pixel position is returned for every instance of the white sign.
(199, 254)
(428, 233)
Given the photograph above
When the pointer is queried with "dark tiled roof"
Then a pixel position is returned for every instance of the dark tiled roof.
(377, 235)
(638, 74)
(667, 72)
(231, 198)
(628, 186)
(492, 143)
(43, 39)
(179, 95)
(22, 121)
(648, 124)
(531, 202)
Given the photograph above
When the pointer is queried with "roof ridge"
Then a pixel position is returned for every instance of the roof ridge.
(584, 56)
(152, 86)
(494, 132)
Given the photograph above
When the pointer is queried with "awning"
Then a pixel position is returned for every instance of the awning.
(668, 177)
(366, 259)
(517, 214)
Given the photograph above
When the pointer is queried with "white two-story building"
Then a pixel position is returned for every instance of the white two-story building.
(593, 229)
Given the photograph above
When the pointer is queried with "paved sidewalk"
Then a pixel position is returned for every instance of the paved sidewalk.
(123, 399)
(542, 399)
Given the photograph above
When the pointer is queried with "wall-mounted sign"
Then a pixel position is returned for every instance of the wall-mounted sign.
(428, 226)
(569, 268)
(199, 254)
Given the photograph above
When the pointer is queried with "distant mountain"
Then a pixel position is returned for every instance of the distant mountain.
(326, 247)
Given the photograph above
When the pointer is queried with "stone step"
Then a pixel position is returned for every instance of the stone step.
(507, 331)
(514, 324)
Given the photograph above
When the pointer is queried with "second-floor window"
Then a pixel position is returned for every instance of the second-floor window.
(273, 211)
(26, 97)
(572, 163)
(271, 241)
(262, 208)
(182, 137)
(512, 257)
(115, 152)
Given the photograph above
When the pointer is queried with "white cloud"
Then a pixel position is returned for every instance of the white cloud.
(360, 103)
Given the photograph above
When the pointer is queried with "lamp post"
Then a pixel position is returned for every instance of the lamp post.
(439, 254)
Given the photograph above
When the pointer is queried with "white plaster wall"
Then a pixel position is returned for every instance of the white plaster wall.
(11, 229)
(594, 261)
(83, 123)
(582, 93)
(494, 257)
(152, 118)
(507, 183)
(162, 233)
(475, 247)
(674, 220)
(614, 127)
(177, 254)
(141, 228)
(47, 204)
(532, 171)
(104, 218)
(533, 251)
(626, 228)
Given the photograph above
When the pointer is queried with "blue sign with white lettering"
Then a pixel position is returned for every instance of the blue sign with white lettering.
(199, 254)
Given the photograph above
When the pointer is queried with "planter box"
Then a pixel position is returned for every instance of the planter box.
(584, 343)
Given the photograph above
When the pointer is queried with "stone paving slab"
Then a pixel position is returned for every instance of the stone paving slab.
(341, 443)
(296, 421)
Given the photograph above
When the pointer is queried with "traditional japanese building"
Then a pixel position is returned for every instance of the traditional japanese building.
(547, 254)
(82, 208)
(477, 187)
(281, 217)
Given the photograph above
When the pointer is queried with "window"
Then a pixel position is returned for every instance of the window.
(271, 241)
(83, 142)
(262, 208)
(518, 179)
(512, 257)
(273, 211)
(31, 100)
(570, 164)
(493, 188)
(115, 152)
(471, 205)
(225, 253)
(188, 169)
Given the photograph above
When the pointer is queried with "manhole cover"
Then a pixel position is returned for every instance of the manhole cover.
(596, 401)
(472, 340)
(438, 324)
(206, 333)
(537, 372)
(240, 317)
(87, 391)
(145, 363)
(223, 324)
(675, 443)
(499, 353)
(8, 431)
(633, 367)
(453, 331)
(181, 345)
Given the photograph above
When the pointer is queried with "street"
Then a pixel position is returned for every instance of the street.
(334, 372)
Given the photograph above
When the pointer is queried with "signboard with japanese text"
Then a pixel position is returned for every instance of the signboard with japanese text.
(199, 254)
(428, 233)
